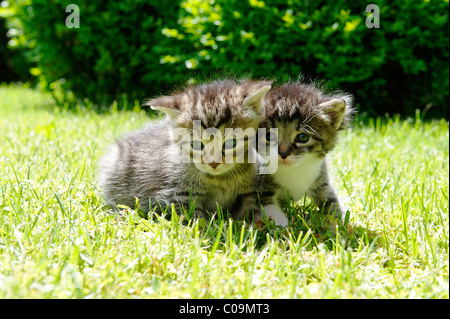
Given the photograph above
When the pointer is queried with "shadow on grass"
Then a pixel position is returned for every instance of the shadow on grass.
(308, 227)
(322, 228)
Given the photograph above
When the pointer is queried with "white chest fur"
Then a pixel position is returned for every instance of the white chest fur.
(298, 178)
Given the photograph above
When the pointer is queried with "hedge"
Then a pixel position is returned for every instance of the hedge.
(139, 48)
(401, 66)
(114, 55)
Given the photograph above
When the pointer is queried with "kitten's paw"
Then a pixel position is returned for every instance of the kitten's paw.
(274, 211)
(248, 211)
(338, 210)
(259, 221)
(199, 213)
(342, 213)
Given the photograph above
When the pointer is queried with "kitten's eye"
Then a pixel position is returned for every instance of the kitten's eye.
(230, 144)
(302, 138)
(271, 137)
(197, 145)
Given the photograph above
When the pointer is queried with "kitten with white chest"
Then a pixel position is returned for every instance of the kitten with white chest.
(308, 122)
(156, 164)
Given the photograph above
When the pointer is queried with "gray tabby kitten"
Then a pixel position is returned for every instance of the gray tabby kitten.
(308, 122)
(149, 164)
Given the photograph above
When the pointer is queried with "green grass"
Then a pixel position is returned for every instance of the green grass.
(57, 240)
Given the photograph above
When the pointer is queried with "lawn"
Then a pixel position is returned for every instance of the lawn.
(57, 240)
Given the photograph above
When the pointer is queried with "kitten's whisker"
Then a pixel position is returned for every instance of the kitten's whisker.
(310, 130)
(309, 118)
(306, 118)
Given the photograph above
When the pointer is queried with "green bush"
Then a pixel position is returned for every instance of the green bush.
(114, 55)
(142, 48)
(14, 64)
(401, 66)
(6, 72)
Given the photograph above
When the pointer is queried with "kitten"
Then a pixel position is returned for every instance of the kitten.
(172, 162)
(308, 122)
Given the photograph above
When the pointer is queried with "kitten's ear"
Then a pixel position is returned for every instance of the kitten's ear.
(255, 100)
(165, 104)
(334, 112)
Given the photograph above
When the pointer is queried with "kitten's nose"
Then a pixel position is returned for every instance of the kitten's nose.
(214, 165)
(284, 149)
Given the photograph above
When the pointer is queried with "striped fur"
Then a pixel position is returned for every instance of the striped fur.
(147, 164)
(299, 108)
